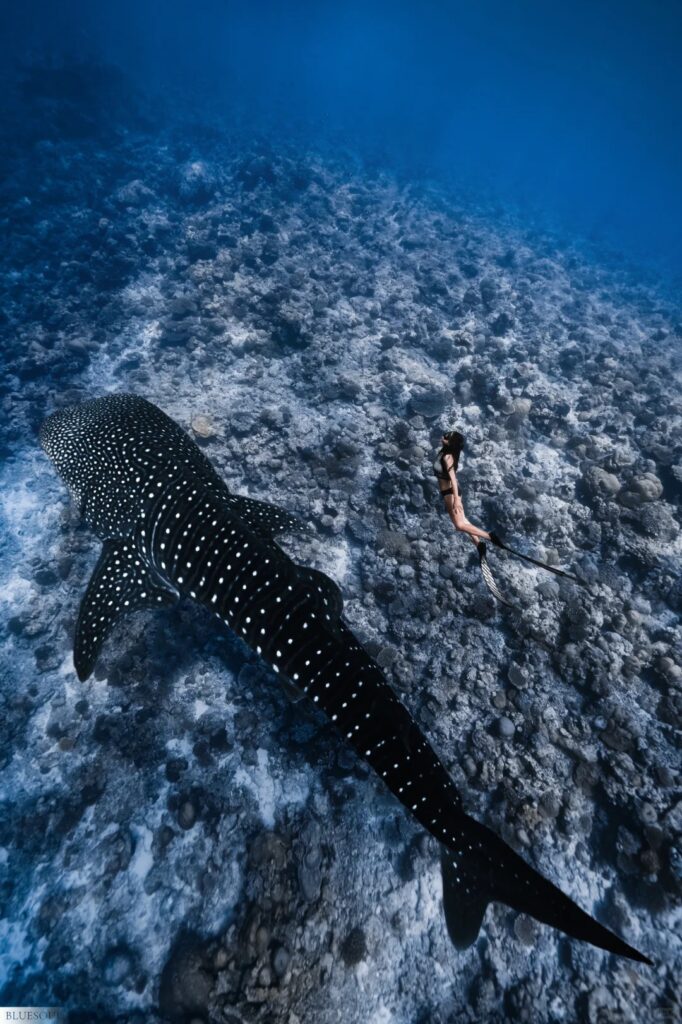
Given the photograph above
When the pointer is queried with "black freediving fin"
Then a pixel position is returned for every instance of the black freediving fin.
(263, 518)
(122, 582)
(534, 561)
(488, 577)
(479, 868)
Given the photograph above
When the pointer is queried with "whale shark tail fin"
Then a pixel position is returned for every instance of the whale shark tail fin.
(479, 868)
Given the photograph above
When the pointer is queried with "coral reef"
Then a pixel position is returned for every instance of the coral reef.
(180, 842)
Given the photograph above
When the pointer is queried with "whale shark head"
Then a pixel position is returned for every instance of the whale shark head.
(79, 437)
(102, 450)
(61, 435)
(107, 449)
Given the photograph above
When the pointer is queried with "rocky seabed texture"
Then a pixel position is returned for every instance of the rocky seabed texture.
(182, 843)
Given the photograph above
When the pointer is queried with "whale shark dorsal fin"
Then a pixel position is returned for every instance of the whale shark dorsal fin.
(122, 582)
(263, 518)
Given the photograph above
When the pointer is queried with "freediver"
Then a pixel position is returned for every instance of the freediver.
(445, 467)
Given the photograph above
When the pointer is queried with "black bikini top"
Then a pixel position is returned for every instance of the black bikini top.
(453, 446)
(439, 468)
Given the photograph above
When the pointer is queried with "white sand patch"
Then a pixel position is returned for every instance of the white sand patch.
(269, 791)
(142, 860)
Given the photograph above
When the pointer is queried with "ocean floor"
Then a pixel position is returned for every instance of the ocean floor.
(182, 843)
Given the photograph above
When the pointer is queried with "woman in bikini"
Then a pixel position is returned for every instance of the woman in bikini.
(445, 467)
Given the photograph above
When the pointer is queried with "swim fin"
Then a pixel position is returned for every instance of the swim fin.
(488, 577)
(534, 561)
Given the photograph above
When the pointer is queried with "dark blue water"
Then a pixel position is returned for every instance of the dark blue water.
(571, 111)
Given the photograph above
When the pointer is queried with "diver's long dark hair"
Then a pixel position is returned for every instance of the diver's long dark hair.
(454, 442)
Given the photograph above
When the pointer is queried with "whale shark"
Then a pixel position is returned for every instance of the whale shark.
(172, 529)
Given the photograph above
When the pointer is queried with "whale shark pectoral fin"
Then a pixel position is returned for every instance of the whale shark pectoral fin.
(264, 519)
(122, 582)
